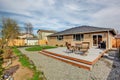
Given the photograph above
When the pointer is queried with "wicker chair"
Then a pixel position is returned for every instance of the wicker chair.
(83, 48)
(70, 48)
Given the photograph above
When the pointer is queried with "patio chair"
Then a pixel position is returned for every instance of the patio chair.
(70, 48)
(84, 47)
(77, 47)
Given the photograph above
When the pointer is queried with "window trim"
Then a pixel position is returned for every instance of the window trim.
(58, 37)
(79, 39)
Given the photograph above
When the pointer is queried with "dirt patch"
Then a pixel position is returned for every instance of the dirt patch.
(23, 73)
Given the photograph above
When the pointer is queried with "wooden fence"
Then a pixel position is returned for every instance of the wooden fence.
(17, 42)
(21, 42)
(116, 43)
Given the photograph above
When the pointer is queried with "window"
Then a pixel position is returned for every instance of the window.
(60, 37)
(78, 37)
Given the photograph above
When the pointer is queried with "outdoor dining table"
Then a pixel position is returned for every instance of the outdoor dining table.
(76, 47)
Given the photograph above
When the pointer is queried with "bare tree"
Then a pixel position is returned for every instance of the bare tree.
(28, 29)
(10, 31)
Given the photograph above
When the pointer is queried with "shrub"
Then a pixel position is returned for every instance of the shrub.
(56, 45)
(1, 51)
(1, 62)
(7, 53)
(61, 45)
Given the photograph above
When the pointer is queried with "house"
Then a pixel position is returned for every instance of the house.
(42, 34)
(93, 35)
(31, 41)
(25, 35)
(117, 36)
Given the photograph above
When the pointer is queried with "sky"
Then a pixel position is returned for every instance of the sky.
(59, 15)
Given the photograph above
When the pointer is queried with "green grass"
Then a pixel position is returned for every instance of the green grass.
(39, 48)
(16, 51)
(22, 58)
(37, 76)
(26, 62)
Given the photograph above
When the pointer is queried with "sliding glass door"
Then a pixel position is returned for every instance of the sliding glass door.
(96, 40)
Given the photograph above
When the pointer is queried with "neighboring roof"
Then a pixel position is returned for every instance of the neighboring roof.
(50, 31)
(24, 35)
(83, 29)
(32, 38)
(117, 36)
(21, 34)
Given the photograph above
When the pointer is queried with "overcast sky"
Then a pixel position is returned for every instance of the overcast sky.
(63, 14)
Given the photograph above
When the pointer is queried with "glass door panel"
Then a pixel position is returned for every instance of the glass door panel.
(94, 40)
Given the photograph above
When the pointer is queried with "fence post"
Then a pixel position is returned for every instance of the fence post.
(119, 52)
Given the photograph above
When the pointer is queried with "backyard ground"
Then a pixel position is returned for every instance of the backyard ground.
(22, 73)
(104, 69)
(20, 67)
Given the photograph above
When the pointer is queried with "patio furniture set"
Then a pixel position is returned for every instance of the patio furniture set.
(78, 48)
(102, 44)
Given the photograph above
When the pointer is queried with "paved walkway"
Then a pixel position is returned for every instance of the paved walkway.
(58, 70)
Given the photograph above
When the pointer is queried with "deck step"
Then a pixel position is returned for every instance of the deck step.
(70, 58)
(75, 63)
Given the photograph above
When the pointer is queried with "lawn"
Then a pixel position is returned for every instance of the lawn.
(39, 48)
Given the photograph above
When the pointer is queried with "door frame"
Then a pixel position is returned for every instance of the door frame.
(97, 39)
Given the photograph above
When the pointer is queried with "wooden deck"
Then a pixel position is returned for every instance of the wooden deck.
(85, 62)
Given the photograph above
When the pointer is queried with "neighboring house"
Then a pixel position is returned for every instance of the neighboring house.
(25, 35)
(42, 34)
(32, 41)
(29, 39)
(117, 36)
(90, 34)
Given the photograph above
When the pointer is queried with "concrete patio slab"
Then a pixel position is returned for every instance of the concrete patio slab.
(92, 53)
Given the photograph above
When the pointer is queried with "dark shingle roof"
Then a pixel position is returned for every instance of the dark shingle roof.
(50, 31)
(82, 29)
(32, 38)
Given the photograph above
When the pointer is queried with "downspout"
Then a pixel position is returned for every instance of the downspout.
(108, 40)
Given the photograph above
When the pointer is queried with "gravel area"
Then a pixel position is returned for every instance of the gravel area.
(58, 70)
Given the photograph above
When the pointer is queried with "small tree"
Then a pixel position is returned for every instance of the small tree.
(10, 31)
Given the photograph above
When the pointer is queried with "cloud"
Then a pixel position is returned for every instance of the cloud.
(62, 14)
